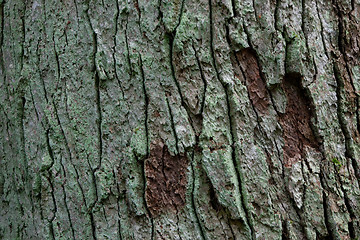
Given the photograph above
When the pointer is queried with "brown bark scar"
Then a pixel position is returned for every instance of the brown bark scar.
(254, 82)
(165, 179)
(296, 121)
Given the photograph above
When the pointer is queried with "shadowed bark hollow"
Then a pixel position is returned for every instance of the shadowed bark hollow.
(191, 119)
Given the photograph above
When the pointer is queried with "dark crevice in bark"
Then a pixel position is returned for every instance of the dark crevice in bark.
(171, 120)
(57, 63)
(344, 48)
(285, 233)
(190, 115)
(160, 15)
(322, 29)
(329, 221)
(22, 103)
(51, 231)
(22, 17)
(50, 221)
(40, 75)
(93, 181)
(136, 5)
(231, 229)
(343, 123)
(93, 225)
(97, 91)
(146, 99)
(170, 37)
(193, 206)
(233, 5)
(116, 21)
(348, 148)
(226, 88)
(68, 151)
(177, 223)
(65, 200)
(202, 78)
(98, 122)
(118, 205)
(2, 40)
(180, 15)
(171, 45)
(351, 212)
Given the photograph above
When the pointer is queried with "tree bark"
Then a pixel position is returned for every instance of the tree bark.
(169, 119)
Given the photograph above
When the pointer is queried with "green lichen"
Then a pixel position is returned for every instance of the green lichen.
(336, 162)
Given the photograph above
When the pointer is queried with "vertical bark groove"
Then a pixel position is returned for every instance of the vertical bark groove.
(226, 87)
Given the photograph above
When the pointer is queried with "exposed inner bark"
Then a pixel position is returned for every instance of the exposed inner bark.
(296, 122)
(254, 82)
(165, 179)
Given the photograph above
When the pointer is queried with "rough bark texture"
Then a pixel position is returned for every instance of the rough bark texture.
(179, 119)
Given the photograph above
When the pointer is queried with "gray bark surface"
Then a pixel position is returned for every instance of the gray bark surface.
(179, 119)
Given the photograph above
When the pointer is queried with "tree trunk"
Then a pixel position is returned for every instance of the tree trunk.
(169, 119)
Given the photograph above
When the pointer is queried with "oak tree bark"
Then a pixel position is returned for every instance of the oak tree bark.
(169, 119)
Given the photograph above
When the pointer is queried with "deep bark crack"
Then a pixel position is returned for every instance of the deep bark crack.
(225, 86)
(197, 219)
(146, 100)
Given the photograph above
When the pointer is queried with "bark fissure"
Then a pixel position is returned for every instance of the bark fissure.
(348, 151)
(322, 29)
(2, 4)
(342, 121)
(118, 205)
(68, 151)
(341, 81)
(116, 21)
(49, 178)
(225, 86)
(197, 219)
(202, 78)
(171, 45)
(98, 122)
(172, 121)
(57, 63)
(146, 100)
(65, 200)
(329, 221)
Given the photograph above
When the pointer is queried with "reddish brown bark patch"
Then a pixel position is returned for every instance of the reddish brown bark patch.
(296, 121)
(165, 179)
(254, 82)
